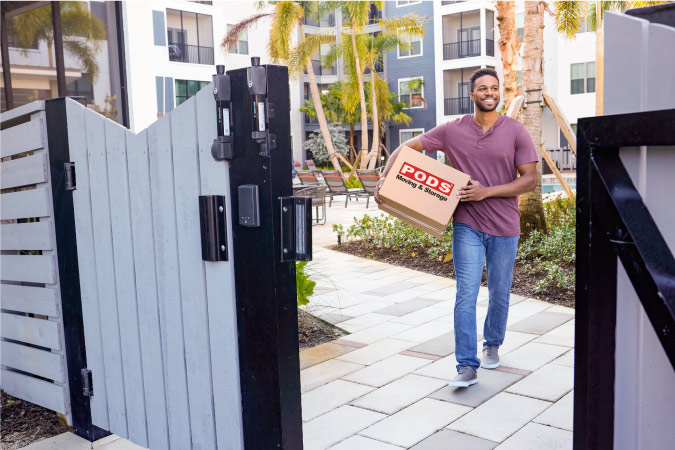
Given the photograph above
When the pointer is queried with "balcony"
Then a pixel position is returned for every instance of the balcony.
(193, 54)
(458, 105)
(462, 34)
(327, 21)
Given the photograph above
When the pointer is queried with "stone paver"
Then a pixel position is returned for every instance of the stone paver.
(315, 355)
(448, 439)
(363, 443)
(329, 397)
(325, 372)
(377, 332)
(535, 437)
(411, 425)
(399, 394)
(406, 307)
(377, 351)
(490, 383)
(541, 323)
(500, 417)
(387, 370)
(420, 316)
(364, 321)
(565, 360)
(393, 288)
(442, 345)
(335, 318)
(550, 383)
(424, 332)
(531, 356)
(365, 308)
(560, 415)
(336, 426)
(563, 335)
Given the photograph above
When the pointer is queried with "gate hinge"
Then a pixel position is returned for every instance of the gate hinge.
(69, 168)
(87, 383)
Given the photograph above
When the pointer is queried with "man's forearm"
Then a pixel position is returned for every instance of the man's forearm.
(516, 187)
(415, 144)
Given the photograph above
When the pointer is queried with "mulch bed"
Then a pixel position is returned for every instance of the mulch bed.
(24, 423)
(313, 331)
(523, 281)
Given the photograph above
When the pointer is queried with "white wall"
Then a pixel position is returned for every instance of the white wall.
(636, 58)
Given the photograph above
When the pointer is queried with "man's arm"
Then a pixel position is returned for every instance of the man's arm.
(527, 181)
(414, 143)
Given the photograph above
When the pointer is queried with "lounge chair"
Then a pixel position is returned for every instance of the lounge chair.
(311, 166)
(336, 186)
(308, 178)
(368, 179)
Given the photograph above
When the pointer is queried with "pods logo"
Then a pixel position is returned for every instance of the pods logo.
(427, 179)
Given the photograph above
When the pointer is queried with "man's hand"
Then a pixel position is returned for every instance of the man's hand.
(377, 191)
(473, 192)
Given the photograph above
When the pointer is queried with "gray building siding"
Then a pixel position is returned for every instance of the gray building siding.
(419, 66)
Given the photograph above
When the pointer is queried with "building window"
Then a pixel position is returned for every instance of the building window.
(241, 46)
(187, 88)
(81, 88)
(415, 48)
(404, 3)
(406, 135)
(411, 92)
(520, 26)
(582, 76)
(190, 37)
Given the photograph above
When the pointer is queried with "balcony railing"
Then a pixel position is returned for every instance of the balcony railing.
(325, 22)
(193, 54)
(320, 70)
(464, 49)
(458, 105)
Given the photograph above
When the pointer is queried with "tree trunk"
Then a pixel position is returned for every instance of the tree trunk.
(352, 149)
(372, 160)
(508, 46)
(362, 95)
(531, 206)
(320, 116)
(599, 61)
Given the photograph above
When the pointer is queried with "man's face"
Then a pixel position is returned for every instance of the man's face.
(485, 93)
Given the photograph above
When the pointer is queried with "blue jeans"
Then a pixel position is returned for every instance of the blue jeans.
(471, 248)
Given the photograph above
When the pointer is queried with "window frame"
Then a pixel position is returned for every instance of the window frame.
(407, 3)
(187, 96)
(398, 47)
(410, 130)
(399, 80)
(238, 44)
(584, 79)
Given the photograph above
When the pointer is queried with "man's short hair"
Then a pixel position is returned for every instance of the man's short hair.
(481, 72)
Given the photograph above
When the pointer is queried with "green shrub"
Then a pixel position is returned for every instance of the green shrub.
(388, 232)
(353, 183)
(304, 285)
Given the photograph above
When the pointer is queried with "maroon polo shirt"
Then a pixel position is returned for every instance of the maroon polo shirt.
(490, 158)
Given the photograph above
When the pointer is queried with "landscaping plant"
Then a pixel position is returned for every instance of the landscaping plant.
(304, 285)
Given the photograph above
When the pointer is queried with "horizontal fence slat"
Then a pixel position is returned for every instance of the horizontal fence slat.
(48, 395)
(30, 330)
(24, 204)
(29, 299)
(34, 360)
(22, 138)
(31, 268)
(23, 171)
(26, 236)
(23, 110)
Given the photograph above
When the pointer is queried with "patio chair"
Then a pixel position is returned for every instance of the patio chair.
(308, 178)
(336, 186)
(318, 195)
(368, 179)
(311, 166)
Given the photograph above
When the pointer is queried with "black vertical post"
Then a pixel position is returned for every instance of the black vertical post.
(58, 48)
(69, 274)
(595, 342)
(123, 99)
(265, 286)
(6, 69)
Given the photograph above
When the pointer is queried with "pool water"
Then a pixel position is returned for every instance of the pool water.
(547, 186)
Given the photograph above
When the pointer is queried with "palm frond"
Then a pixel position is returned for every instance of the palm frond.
(308, 47)
(232, 37)
(569, 16)
(85, 53)
(410, 23)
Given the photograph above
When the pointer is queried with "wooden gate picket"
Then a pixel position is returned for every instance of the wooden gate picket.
(160, 323)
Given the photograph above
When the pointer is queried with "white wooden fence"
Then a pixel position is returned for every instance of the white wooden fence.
(160, 323)
(32, 348)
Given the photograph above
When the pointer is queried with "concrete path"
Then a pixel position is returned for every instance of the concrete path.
(384, 386)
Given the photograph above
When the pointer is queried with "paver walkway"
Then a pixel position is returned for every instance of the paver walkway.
(384, 386)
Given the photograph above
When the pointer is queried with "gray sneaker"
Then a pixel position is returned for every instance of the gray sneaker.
(465, 377)
(490, 357)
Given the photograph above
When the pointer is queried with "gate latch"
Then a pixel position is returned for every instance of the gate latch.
(296, 228)
(71, 183)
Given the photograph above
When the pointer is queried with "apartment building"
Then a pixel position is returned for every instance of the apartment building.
(172, 48)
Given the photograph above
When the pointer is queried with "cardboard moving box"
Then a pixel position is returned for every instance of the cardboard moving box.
(422, 191)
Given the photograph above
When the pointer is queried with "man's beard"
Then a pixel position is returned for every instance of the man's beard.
(484, 108)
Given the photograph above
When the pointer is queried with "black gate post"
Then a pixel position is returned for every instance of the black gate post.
(265, 286)
(69, 273)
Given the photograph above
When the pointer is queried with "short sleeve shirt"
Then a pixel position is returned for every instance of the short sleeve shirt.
(490, 158)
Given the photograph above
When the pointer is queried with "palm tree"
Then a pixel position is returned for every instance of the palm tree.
(508, 47)
(531, 206)
(83, 33)
(570, 15)
(286, 19)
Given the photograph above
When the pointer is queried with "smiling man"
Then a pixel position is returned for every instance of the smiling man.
(492, 149)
